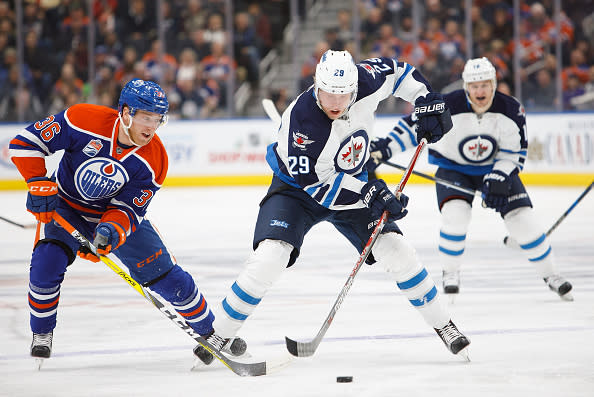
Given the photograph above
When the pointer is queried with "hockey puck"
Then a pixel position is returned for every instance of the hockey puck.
(344, 379)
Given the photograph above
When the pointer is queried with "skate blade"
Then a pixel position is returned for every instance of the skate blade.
(451, 298)
(567, 297)
(197, 365)
(38, 363)
(464, 354)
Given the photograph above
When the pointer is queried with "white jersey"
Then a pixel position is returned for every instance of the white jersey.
(327, 158)
(476, 144)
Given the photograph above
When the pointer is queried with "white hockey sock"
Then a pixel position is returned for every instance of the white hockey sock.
(400, 260)
(262, 269)
(455, 217)
(523, 227)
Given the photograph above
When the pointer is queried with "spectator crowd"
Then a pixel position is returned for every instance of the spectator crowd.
(188, 53)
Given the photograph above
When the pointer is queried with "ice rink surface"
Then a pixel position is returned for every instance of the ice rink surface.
(111, 342)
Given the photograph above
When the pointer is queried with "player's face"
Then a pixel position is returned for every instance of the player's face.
(334, 105)
(143, 127)
(480, 93)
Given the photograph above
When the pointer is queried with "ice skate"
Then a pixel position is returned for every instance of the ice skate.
(561, 286)
(454, 340)
(41, 347)
(451, 284)
(234, 346)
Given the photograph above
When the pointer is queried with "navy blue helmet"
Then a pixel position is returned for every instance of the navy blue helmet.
(139, 94)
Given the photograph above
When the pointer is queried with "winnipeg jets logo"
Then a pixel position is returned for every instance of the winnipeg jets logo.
(93, 147)
(477, 149)
(352, 152)
(301, 140)
(369, 69)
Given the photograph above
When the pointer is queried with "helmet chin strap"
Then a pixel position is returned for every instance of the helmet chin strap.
(480, 109)
(126, 128)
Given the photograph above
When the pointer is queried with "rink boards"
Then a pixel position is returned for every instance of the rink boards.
(232, 152)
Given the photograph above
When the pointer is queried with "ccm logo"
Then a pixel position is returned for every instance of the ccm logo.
(150, 259)
(43, 189)
(437, 107)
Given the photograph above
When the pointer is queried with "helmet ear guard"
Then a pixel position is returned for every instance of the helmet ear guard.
(336, 73)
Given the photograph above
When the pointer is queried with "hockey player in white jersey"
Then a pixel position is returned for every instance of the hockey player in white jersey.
(485, 151)
(319, 171)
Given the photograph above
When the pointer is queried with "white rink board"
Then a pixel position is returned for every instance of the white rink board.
(558, 143)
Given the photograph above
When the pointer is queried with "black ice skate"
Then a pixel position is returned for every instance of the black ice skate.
(41, 347)
(559, 285)
(234, 346)
(451, 282)
(454, 340)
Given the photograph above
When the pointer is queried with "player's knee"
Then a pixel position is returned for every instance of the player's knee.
(455, 215)
(176, 285)
(396, 254)
(48, 264)
(522, 224)
(268, 261)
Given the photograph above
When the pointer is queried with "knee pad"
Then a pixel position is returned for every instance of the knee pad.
(175, 286)
(265, 265)
(397, 255)
(525, 229)
(48, 264)
(455, 217)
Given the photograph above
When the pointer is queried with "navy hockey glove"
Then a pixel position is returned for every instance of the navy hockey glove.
(42, 198)
(379, 198)
(496, 189)
(108, 236)
(434, 118)
(379, 151)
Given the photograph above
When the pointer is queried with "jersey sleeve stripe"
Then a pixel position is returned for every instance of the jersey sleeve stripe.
(332, 194)
(407, 70)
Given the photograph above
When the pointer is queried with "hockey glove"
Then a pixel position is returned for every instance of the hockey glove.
(108, 236)
(87, 254)
(377, 197)
(42, 198)
(496, 189)
(379, 151)
(433, 117)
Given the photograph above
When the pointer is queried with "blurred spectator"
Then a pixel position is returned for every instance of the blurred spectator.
(29, 102)
(540, 93)
(246, 46)
(263, 27)
(577, 67)
(35, 59)
(158, 62)
(137, 24)
(215, 30)
(453, 43)
(331, 37)
(126, 70)
(308, 67)
(574, 89)
(586, 100)
(387, 44)
(193, 17)
(345, 25)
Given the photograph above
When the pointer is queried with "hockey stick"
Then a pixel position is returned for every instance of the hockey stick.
(512, 243)
(271, 110)
(435, 179)
(306, 349)
(241, 369)
(21, 225)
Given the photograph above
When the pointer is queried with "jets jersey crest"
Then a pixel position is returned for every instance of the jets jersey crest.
(326, 158)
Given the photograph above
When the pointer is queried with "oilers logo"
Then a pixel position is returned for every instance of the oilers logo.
(352, 153)
(477, 149)
(99, 178)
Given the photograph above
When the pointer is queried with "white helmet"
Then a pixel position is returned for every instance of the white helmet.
(479, 69)
(336, 73)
